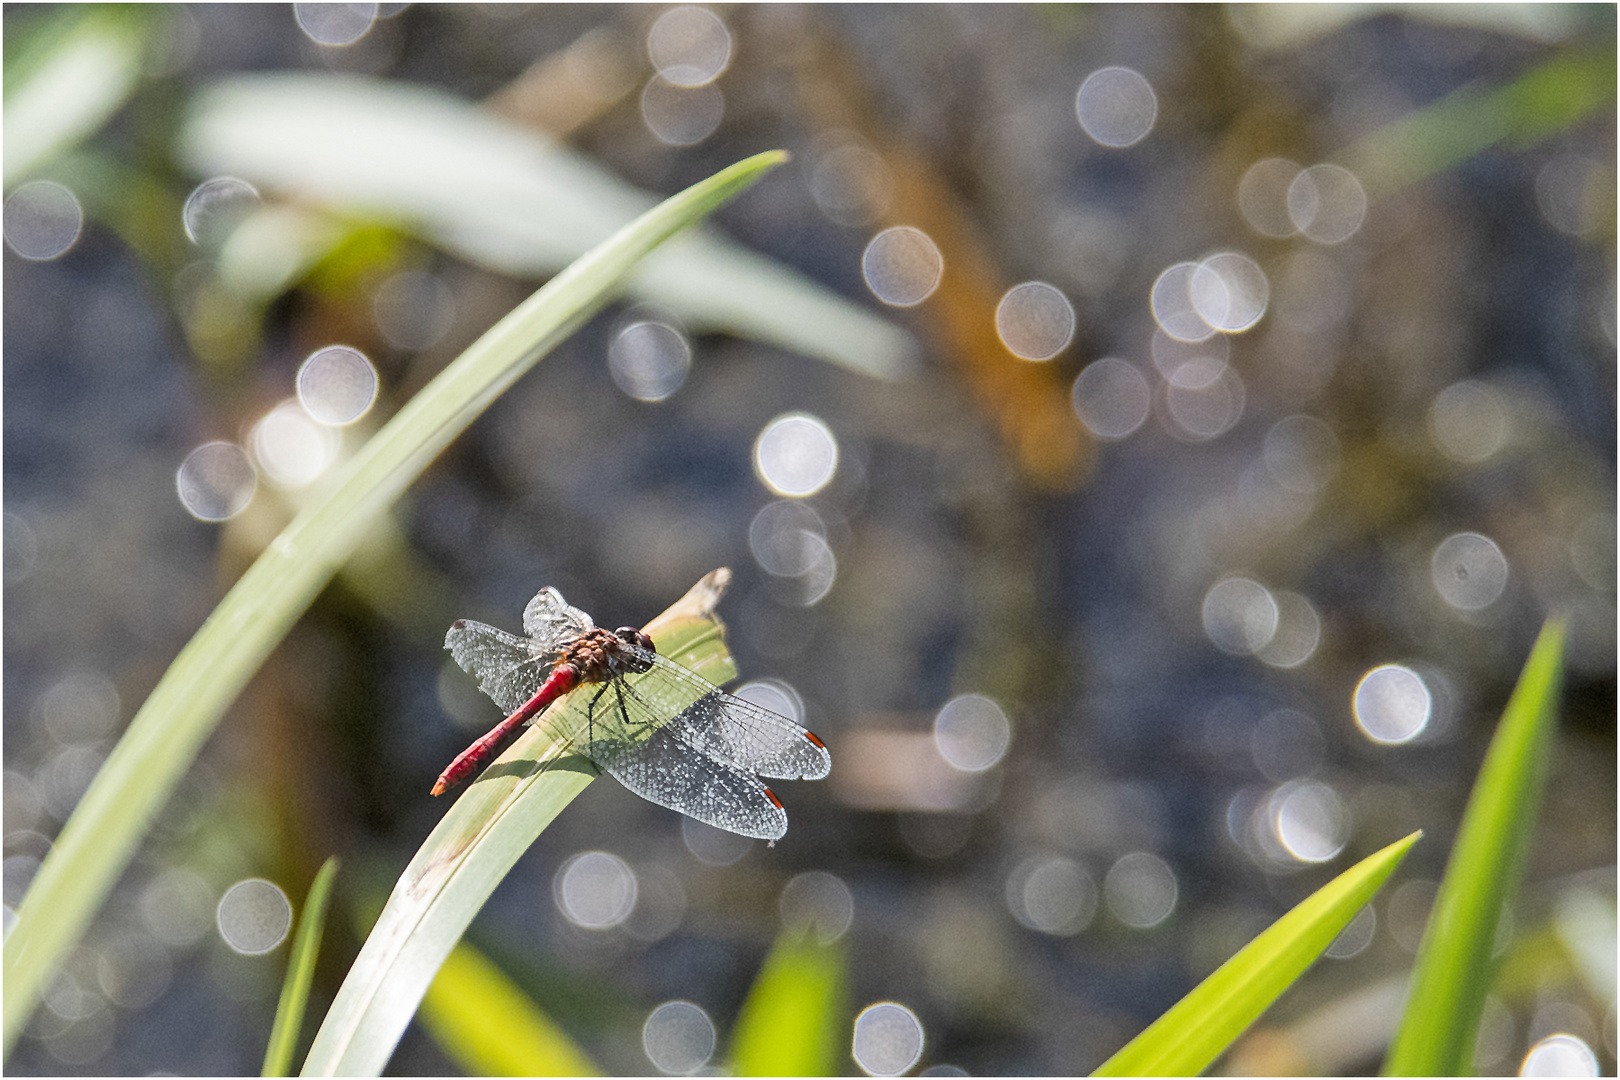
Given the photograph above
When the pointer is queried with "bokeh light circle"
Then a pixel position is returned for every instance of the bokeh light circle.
(291, 448)
(1309, 820)
(216, 207)
(335, 25)
(678, 1038)
(1240, 615)
(595, 890)
(888, 1039)
(42, 220)
(1052, 895)
(1263, 197)
(649, 360)
(1469, 421)
(796, 455)
(1172, 304)
(216, 481)
(1560, 1055)
(972, 732)
(253, 916)
(1035, 321)
(689, 45)
(1116, 106)
(1327, 203)
(413, 309)
(337, 385)
(681, 115)
(902, 266)
(1469, 571)
(1111, 397)
(819, 902)
(1391, 704)
(1229, 292)
(1140, 890)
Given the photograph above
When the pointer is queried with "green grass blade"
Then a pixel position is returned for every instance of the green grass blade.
(1199, 1027)
(489, 1026)
(791, 1023)
(101, 836)
(1548, 99)
(507, 198)
(77, 68)
(278, 1054)
(1453, 972)
(491, 825)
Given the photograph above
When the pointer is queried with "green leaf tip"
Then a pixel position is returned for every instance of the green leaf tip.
(300, 974)
(1188, 1038)
(1455, 961)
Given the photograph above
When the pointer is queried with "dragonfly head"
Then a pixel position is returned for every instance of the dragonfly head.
(631, 636)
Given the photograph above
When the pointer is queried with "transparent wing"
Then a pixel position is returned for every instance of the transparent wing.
(665, 769)
(508, 668)
(734, 731)
(551, 622)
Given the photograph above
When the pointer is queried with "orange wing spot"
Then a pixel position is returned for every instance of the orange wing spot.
(812, 737)
(771, 795)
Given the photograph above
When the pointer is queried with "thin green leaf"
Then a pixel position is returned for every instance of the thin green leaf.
(278, 1054)
(1199, 1027)
(1548, 99)
(101, 836)
(791, 1022)
(507, 198)
(482, 836)
(1453, 972)
(491, 1027)
(83, 66)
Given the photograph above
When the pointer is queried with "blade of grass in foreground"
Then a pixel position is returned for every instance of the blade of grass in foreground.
(489, 1026)
(793, 1019)
(101, 837)
(489, 827)
(1436, 1036)
(1199, 1027)
(300, 972)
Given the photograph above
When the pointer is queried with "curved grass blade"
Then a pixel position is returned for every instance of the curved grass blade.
(72, 71)
(278, 1053)
(486, 1023)
(1186, 1040)
(498, 816)
(1453, 972)
(508, 199)
(101, 836)
(791, 1022)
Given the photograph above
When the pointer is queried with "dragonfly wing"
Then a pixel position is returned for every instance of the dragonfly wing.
(551, 622)
(665, 769)
(723, 726)
(508, 668)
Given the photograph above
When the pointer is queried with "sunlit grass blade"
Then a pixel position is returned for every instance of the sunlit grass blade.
(72, 71)
(495, 820)
(1453, 972)
(486, 1023)
(306, 948)
(1187, 1039)
(791, 1023)
(507, 198)
(1548, 99)
(101, 836)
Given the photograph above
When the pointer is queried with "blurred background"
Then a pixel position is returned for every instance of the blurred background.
(1146, 439)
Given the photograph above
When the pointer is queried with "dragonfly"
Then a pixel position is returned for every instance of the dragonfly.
(660, 729)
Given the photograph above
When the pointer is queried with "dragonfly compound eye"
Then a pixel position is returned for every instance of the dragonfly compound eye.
(631, 636)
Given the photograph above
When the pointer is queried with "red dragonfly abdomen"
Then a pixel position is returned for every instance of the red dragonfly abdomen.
(562, 679)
